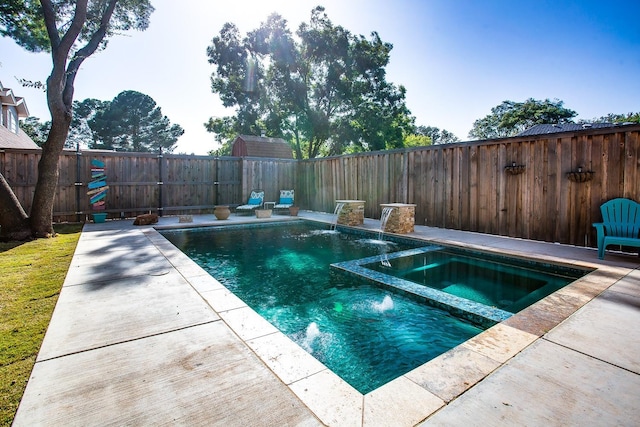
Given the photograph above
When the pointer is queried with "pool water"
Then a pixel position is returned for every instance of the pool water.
(504, 283)
(366, 334)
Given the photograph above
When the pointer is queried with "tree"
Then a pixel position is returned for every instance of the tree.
(71, 32)
(510, 118)
(615, 118)
(416, 140)
(225, 130)
(80, 133)
(325, 90)
(36, 129)
(131, 122)
(437, 136)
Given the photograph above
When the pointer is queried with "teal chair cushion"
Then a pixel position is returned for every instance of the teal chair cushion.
(286, 197)
(256, 198)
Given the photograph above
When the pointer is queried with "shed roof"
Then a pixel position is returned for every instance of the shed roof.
(260, 146)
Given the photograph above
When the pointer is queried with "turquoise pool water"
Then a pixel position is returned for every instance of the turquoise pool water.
(366, 334)
(505, 283)
(370, 310)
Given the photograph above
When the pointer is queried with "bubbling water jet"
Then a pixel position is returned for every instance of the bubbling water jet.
(311, 334)
(385, 305)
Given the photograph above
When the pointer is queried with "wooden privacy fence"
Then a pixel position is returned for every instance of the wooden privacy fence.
(145, 182)
(467, 186)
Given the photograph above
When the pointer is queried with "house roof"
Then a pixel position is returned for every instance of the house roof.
(260, 146)
(9, 139)
(8, 98)
(562, 127)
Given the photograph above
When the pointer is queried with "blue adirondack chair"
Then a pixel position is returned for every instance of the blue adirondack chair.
(620, 224)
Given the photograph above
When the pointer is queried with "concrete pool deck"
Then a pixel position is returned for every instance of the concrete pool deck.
(141, 335)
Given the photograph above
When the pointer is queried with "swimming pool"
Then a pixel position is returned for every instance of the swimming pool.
(365, 333)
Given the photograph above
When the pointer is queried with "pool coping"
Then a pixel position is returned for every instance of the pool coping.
(421, 392)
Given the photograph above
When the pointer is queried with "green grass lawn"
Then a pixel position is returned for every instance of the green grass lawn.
(31, 276)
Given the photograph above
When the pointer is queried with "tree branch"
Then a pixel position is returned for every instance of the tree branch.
(71, 35)
(86, 51)
(60, 50)
(50, 23)
(13, 218)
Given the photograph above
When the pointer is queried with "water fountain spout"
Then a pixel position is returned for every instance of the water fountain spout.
(336, 213)
(384, 217)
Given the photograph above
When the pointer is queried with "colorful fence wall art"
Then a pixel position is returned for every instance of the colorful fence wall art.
(98, 189)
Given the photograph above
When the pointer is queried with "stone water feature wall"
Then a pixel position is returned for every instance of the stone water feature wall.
(352, 212)
(402, 218)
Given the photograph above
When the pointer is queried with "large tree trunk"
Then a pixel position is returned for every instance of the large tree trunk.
(16, 225)
(41, 218)
(14, 220)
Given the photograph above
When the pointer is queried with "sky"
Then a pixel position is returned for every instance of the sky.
(457, 59)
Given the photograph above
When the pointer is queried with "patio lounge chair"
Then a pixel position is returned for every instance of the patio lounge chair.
(255, 201)
(620, 224)
(285, 201)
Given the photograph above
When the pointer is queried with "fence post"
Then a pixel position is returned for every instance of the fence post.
(216, 183)
(78, 183)
(160, 182)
